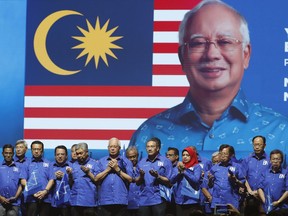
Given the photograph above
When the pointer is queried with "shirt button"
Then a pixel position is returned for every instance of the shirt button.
(211, 136)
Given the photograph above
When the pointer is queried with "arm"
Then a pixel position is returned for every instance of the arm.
(100, 176)
(86, 170)
(140, 179)
(207, 194)
(41, 194)
(281, 199)
(261, 195)
(114, 165)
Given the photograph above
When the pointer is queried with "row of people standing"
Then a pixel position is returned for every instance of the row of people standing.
(112, 184)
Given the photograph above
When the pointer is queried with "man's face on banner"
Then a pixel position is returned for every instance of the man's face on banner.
(215, 68)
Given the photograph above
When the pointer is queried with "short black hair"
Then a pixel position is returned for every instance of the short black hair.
(8, 146)
(277, 151)
(156, 140)
(176, 151)
(37, 142)
(61, 147)
(262, 137)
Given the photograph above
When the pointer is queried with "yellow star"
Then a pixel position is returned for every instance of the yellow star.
(97, 42)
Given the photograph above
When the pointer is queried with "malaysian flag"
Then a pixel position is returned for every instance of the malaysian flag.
(79, 89)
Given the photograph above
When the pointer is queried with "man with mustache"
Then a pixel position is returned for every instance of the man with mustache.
(214, 51)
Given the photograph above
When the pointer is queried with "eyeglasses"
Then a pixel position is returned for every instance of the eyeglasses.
(201, 44)
(170, 155)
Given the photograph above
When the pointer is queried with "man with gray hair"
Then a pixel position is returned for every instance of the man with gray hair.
(214, 51)
(83, 199)
(113, 178)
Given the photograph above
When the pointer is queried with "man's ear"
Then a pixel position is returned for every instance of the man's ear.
(181, 54)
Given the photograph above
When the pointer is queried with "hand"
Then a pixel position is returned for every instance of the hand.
(59, 174)
(113, 164)
(3, 200)
(69, 170)
(154, 173)
(41, 194)
(85, 169)
(142, 173)
(180, 166)
(275, 203)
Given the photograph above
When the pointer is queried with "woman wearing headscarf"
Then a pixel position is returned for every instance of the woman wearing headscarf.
(187, 179)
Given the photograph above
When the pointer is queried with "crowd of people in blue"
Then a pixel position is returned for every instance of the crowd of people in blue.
(178, 184)
(214, 50)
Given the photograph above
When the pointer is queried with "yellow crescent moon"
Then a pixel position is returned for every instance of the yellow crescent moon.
(40, 42)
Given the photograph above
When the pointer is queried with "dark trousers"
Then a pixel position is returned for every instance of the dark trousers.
(154, 210)
(112, 210)
(83, 211)
(38, 208)
(186, 210)
(60, 211)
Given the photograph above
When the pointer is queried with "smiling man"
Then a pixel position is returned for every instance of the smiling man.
(214, 50)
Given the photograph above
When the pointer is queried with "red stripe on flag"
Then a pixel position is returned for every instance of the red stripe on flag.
(175, 4)
(165, 47)
(168, 70)
(90, 112)
(166, 26)
(105, 91)
(77, 134)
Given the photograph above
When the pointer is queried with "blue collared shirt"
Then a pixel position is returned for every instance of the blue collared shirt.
(253, 168)
(9, 178)
(191, 176)
(224, 190)
(134, 191)
(58, 167)
(113, 189)
(274, 184)
(22, 163)
(181, 126)
(83, 191)
(150, 190)
(41, 171)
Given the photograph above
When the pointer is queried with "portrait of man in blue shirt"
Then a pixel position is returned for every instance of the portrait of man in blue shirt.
(214, 51)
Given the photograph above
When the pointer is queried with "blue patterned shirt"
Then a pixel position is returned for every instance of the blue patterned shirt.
(181, 126)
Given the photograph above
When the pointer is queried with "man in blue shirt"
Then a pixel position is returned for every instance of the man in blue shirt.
(134, 190)
(273, 187)
(83, 195)
(155, 172)
(38, 179)
(10, 187)
(21, 161)
(226, 178)
(113, 177)
(255, 164)
(214, 50)
(59, 167)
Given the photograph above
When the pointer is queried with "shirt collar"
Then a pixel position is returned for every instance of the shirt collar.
(263, 156)
(238, 108)
(12, 164)
(36, 160)
(156, 158)
(228, 164)
(60, 165)
(16, 159)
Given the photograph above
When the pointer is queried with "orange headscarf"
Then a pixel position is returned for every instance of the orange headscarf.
(193, 156)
